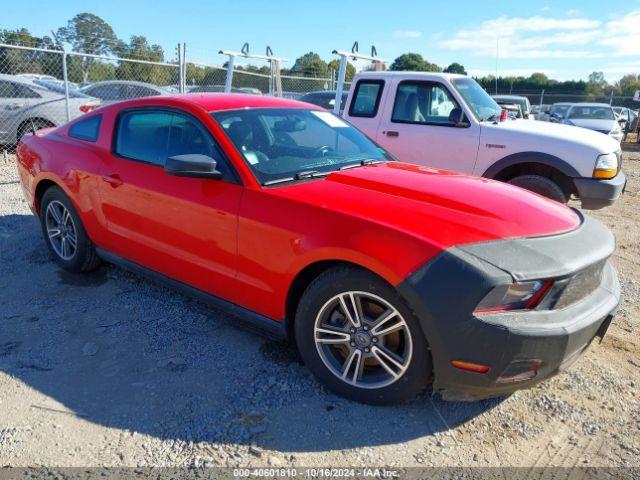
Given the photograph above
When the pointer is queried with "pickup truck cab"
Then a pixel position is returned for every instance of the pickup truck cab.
(448, 121)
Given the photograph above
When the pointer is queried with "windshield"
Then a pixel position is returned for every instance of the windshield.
(560, 109)
(286, 144)
(484, 107)
(591, 112)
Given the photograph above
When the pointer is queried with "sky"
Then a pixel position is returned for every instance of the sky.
(566, 39)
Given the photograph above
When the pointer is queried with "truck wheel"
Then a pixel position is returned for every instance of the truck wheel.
(540, 185)
(358, 337)
(64, 233)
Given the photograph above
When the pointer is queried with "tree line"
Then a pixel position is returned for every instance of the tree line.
(88, 33)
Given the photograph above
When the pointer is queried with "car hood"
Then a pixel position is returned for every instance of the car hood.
(540, 132)
(442, 207)
(592, 124)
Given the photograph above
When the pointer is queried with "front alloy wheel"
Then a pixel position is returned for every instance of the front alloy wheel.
(363, 340)
(360, 339)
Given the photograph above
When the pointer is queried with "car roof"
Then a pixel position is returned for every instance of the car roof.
(509, 97)
(214, 102)
(327, 93)
(587, 104)
(17, 79)
(408, 74)
(125, 82)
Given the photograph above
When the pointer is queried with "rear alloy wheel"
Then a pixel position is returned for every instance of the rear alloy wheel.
(64, 233)
(61, 230)
(541, 185)
(359, 338)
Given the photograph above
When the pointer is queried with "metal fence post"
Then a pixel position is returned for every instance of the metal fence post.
(541, 99)
(65, 78)
(183, 69)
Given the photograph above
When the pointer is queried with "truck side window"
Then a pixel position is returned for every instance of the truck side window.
(366, 98)
(425, 103)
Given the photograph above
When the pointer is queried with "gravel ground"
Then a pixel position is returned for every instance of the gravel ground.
(110, 369)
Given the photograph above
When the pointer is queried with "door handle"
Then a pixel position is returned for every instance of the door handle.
(391, 133)
(114, 179)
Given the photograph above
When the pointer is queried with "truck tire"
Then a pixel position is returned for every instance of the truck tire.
(541, 185)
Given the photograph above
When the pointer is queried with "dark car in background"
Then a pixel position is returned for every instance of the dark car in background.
(325, 99)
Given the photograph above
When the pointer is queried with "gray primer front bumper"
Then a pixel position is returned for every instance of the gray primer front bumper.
(597, 193)
(445, 292)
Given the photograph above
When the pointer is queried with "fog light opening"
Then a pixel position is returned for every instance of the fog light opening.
(520, 371)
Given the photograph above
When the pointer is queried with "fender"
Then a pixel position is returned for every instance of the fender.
(529, 157)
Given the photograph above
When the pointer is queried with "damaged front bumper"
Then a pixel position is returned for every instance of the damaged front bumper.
(522, 347)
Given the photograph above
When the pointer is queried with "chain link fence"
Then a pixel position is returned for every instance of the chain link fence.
(41, 87)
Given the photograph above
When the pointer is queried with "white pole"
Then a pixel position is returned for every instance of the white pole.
(342, 72)
(497, 46)
(227, 85)
(65, 78)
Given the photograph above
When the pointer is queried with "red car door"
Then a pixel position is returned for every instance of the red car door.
(185, 228)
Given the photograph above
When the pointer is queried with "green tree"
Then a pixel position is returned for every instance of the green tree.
(88, 33)
(14, 61)
(139, 48)
(349, 74)
(628, 85)
(596, 84)
(310, 65)
(414, 62)
(455, 67)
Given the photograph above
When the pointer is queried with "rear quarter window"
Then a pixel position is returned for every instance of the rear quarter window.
(366, 98)
(87, 129)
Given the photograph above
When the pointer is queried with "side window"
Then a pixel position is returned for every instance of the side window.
(22, 91)
(86, 129)
(143, 135)
(154, 136)
(366, 98)
(6, 89)
(425, 103)
(104, 92)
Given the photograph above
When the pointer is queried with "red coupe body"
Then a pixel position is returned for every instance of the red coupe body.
(258, 245)
(247, 243)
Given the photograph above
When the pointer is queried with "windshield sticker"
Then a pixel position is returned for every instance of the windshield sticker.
(330, 119)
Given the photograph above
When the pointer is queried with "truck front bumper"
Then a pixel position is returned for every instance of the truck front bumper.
(521, 348)
(597, 193)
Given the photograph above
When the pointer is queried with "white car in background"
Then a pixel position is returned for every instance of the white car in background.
(596, 116)
(522, 102)
(28, 103)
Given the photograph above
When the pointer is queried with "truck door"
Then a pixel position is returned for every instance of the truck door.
(423, 123)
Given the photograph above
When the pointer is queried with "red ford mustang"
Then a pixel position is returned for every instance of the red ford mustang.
(388, 276)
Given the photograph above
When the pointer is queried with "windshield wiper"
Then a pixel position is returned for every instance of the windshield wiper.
(297, 176)
(362, 163)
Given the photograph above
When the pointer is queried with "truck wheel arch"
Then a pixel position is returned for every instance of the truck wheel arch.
(538, 163)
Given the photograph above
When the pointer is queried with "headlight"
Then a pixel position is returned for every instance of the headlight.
(514, 296)
(606, 166)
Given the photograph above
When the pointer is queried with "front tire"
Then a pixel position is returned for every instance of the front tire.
(541, 185)
(64, 233)
(360, 339)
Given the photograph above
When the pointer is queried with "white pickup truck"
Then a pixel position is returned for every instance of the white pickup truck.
(448, 121)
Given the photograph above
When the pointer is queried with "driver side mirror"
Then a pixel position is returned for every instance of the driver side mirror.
(192, 165)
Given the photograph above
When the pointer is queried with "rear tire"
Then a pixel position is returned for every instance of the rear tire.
(64, 233)
(540, 185)
(384, 360)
